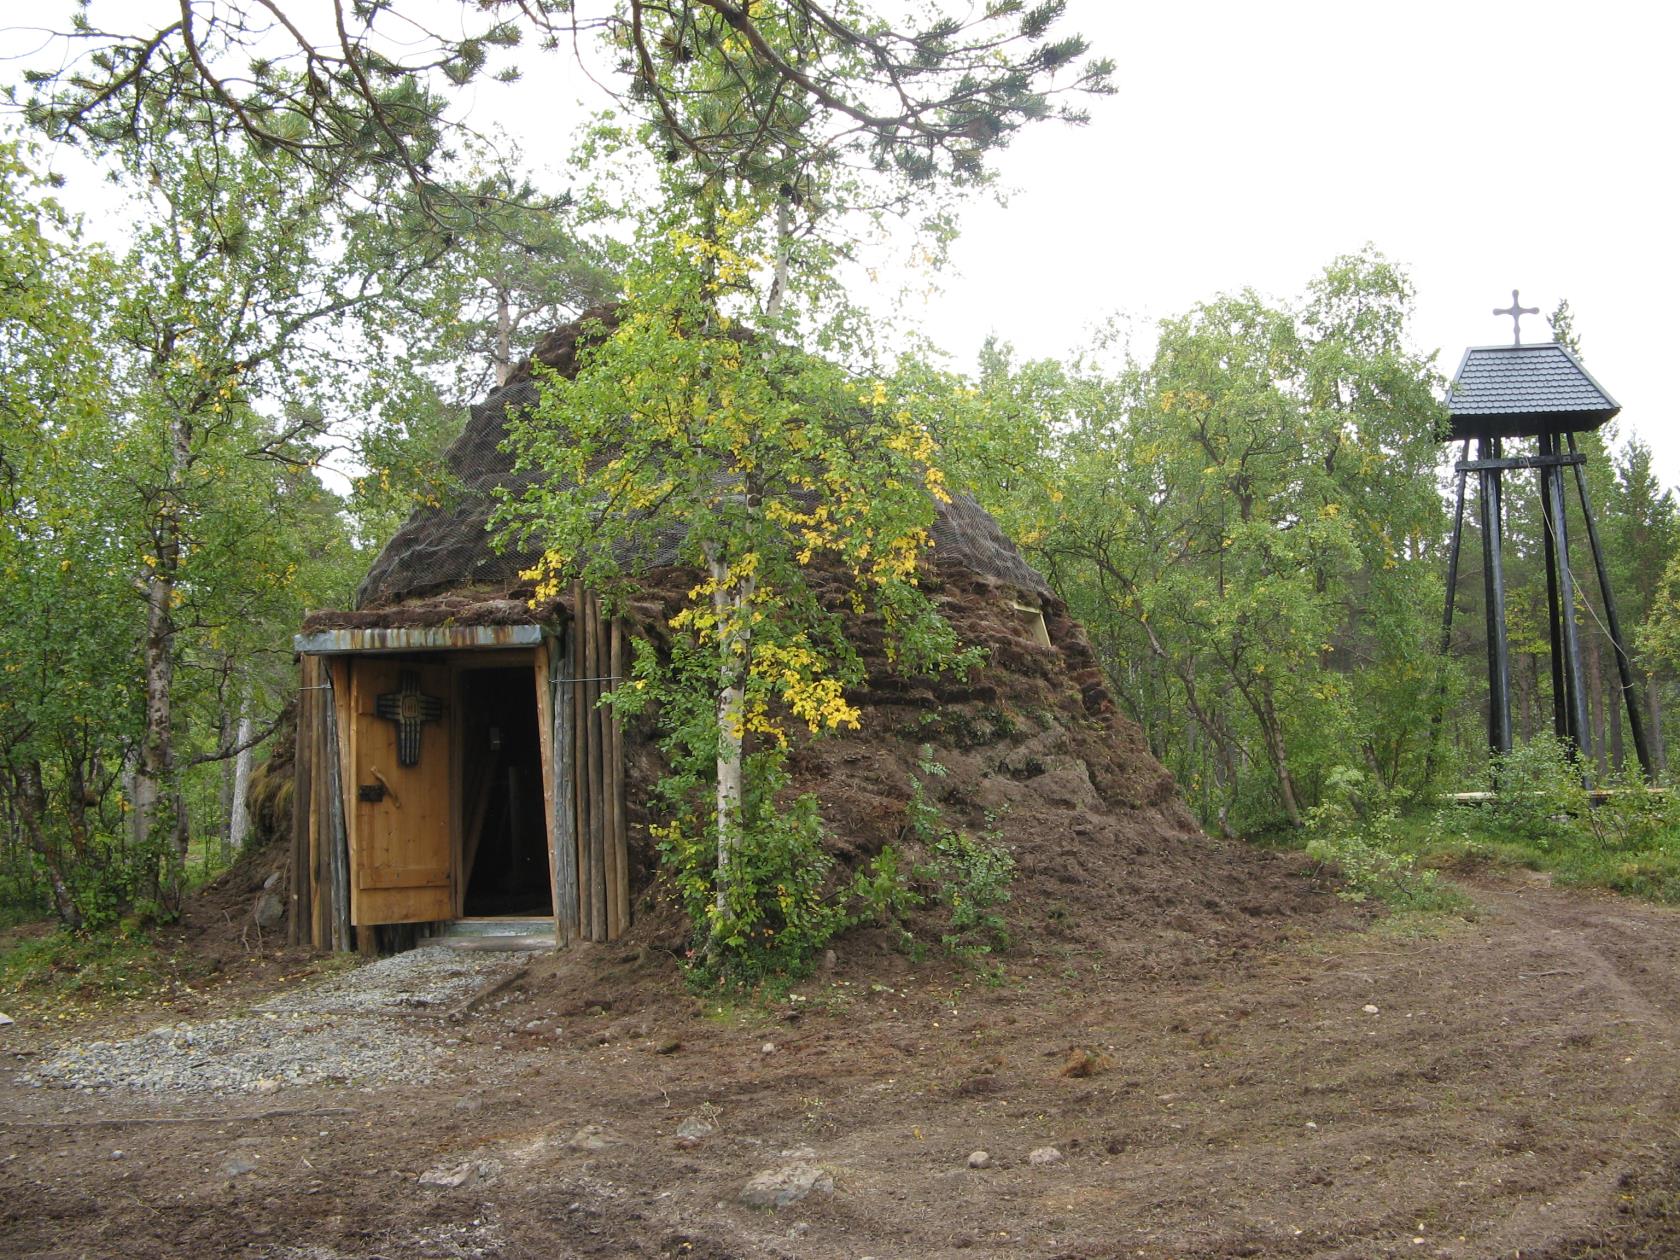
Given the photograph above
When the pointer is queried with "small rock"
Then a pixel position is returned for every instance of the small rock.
(469, 1104)
(269, 910)
(272, 882)
(592, 1137)
(669, 1046)
(1312, 1124)
(454, 1176)
(1044, 1156)
(116, 1155)
(695, 1128)
(780, 1187)
(980, 1159)
(268, 1085)
(1371, 1008)
(827, 963)
(6, 1019)
(238, 1166)
(799, 1152)
(769, 1047)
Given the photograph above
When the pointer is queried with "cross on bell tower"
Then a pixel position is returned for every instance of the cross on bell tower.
(1537, 391)
(1516, 311)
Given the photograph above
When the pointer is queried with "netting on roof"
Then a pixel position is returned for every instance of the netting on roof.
(438, 549)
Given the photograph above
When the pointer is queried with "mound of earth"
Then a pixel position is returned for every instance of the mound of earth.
(1109, 862)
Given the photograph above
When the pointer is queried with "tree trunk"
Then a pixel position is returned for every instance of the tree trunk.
(1280, 766)
(1613, 719)
(784, 246)
(1595, 702)
(1659, 751)
(32, 813)
(504, 336)
(731, 599)
(239, 822)
(225, 739)
(1528, 686)
(155, 790)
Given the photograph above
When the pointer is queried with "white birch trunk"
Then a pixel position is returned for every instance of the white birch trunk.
(239, 818)
(730, 600)
(504, 337)
(154, 786)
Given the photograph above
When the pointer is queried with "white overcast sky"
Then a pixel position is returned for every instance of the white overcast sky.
(1483, 146)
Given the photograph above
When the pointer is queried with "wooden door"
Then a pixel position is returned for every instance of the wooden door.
(401, 851)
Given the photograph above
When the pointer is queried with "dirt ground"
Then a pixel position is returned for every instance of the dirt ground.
(1333, 1086)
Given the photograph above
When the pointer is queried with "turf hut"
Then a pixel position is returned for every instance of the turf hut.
(454, 769)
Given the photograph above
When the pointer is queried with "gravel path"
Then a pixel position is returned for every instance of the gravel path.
(344, 1031)
(249, 1054)
(419, 979)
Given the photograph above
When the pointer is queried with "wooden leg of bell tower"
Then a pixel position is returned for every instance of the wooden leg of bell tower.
(1554, 623)
(1447, 615)
(1557, 526)
(1493, 578)
(1624, 665)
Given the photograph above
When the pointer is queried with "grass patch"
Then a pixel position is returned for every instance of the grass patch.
(1539, 818)
(84, 969)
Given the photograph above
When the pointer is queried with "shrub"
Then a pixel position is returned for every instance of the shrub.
(1369, 851)
(1538, 795)
(970, 876)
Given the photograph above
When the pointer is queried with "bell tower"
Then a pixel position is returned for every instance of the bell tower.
(1538, 391)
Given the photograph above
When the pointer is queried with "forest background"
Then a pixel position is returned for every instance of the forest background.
(1248, 516)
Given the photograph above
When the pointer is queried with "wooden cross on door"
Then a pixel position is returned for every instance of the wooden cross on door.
(409, 708)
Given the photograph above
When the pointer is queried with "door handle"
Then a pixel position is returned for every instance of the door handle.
(384, 787)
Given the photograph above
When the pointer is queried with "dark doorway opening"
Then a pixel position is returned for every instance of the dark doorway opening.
(504, 836)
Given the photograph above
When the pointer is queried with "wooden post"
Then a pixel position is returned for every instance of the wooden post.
(1624, 665)
(580, 762)
(1493, 580)
(565, 805)
(621, 836)
(609, 788)
(597, 798)
(1446, 619)
(1547, 445)
(335, 837)
(320, 901)
(1571, 635)
(303, 805)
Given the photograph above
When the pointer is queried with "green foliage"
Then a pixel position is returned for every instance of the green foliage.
(84, 967)
(1369, 855)
(1538, 816)
(1538, 797)
(783, 93)
(968, 876)
(972, 878)
(1242, 524)
(779, 906)
(782, 897)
